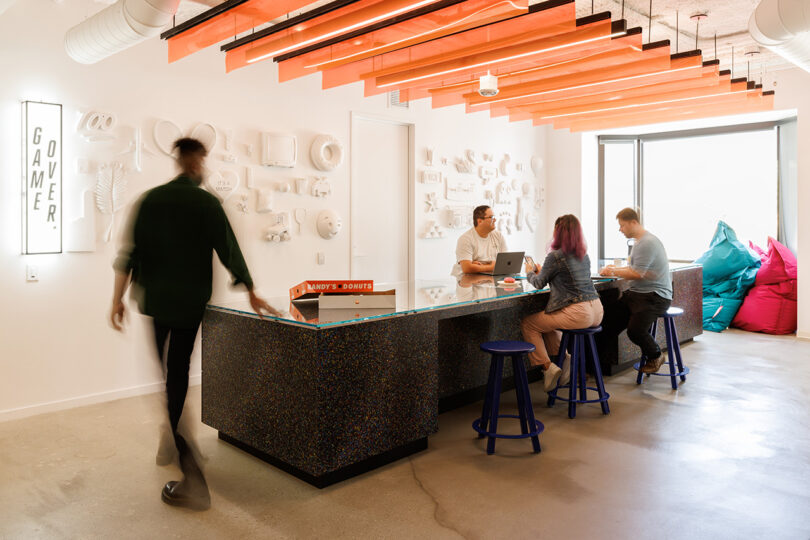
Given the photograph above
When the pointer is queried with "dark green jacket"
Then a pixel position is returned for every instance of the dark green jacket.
(173, 234)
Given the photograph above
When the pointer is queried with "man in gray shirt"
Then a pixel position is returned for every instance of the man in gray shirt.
(650, 292)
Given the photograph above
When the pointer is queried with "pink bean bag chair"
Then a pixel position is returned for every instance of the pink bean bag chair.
(770, 306)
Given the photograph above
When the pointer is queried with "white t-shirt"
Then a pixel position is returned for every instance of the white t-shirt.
(471, 247)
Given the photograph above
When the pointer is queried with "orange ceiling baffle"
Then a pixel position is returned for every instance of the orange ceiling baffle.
(680, 68)
(556, 19)
(582, 39)
(709, 77)
(721, 88)
(559, 84)
(575, 62)
(452, 19)
(224, 22)
(739, 91)
(752, 103)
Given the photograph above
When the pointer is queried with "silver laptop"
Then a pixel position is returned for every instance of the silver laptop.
(508, 263)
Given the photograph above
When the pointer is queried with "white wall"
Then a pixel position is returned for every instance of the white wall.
(792, 93)
(56, 349)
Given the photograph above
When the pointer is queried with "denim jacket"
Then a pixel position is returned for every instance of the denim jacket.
(569, 280)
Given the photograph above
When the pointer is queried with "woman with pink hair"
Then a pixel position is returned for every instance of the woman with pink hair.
(572, 304)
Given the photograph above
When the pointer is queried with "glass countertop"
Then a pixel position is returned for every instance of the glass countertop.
(427, 295)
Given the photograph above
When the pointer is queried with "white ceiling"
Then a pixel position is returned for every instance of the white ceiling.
(727, 19)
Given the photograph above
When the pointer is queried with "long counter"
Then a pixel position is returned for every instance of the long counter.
(327, 396)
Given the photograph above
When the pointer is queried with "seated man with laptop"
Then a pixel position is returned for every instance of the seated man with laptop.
(477, 249)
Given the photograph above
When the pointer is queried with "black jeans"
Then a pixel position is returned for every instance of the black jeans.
(636, 312)
(180, 343)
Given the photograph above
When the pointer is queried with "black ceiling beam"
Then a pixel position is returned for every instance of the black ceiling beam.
(201, 18)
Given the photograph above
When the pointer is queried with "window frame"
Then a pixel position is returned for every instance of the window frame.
(638, 166)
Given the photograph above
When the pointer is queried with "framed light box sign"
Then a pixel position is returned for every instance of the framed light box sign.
(42, 178)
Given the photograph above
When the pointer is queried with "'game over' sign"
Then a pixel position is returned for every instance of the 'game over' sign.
(42, 178)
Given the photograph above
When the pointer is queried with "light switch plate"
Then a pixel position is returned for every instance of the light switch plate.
(321, 257)
(31, 273)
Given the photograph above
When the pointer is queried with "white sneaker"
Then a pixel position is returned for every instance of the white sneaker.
(550, 377)
(566, 370)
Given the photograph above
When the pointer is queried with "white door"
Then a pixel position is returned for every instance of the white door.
(381, 202)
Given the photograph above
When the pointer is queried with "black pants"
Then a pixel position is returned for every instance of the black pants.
(636, 312)
(176, 345)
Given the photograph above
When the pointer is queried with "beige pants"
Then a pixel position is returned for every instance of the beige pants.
(543, 329)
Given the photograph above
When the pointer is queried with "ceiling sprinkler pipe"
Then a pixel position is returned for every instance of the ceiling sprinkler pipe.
(784, 27)
(118, 27)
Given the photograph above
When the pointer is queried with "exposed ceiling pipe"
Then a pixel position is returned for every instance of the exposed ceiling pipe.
(783, 26)
(118, 27)
(5, 4)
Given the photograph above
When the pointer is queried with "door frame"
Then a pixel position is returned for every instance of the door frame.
(411, 229)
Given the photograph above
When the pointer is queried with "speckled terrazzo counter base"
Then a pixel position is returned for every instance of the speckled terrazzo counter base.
(326, 404)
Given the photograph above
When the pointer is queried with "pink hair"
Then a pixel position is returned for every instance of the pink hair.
(568, 236)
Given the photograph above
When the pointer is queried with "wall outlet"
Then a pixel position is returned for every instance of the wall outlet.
(31, 273)
(321, 257)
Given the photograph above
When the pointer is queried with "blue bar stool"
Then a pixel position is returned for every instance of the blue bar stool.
(673, 347)
(489, 414)
(577, 371)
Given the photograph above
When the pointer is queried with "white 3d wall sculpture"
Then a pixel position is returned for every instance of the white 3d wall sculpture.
(487, 173)
(301, 185)
(537, 165)
(300, 215)
(520, 215)
(433, 230)
(137, 148)
(506, 165)
(459, 217)
(206, 134)
(489, 196)
(326, 152)
(166, 132)
(279, 150)
(503, 193)
(531, 220)
(329, 224)
(428, 156)
(460, 189)
(97, 126)
(505, 223)
(431, 202)
(264, 200)
(464, 166)
(222, 184)
(111, 187)
(279, 229)
(539, 195)
(283, 186)
(321, 187)
(242, 203)
(470, 155)
(431, 177)
(81, 232)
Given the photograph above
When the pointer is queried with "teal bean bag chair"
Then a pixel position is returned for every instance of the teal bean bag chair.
(729, 270)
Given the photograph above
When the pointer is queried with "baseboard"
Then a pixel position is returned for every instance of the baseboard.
(804, 336)
(90, 399)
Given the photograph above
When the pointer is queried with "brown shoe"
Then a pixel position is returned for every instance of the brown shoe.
(652, 366)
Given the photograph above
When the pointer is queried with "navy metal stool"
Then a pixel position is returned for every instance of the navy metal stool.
(489, 414)
(673, 347)
(577, 371)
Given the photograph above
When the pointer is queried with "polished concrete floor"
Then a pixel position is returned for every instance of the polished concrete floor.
(726, 456)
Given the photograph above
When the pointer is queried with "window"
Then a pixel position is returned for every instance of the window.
(684, 183)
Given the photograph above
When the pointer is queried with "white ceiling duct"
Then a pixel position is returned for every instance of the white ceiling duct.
(783, 26)
(117, 27)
